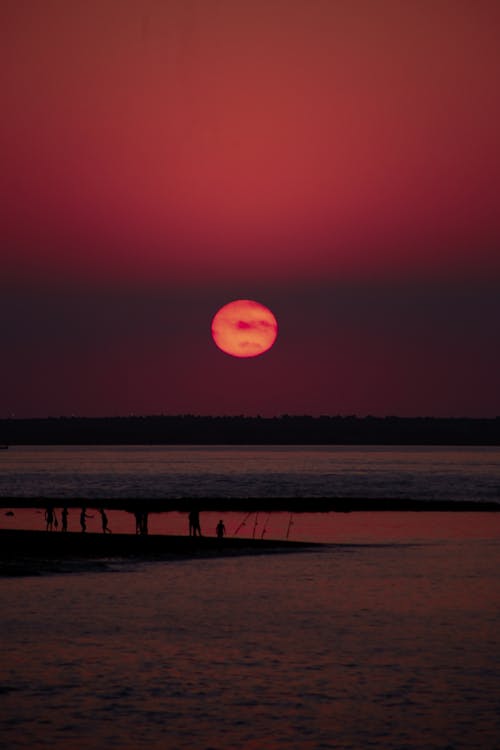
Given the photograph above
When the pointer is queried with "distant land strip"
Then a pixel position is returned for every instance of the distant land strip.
(254, 504)
(241, 430)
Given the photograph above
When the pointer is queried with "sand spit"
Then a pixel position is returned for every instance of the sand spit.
(32, 552)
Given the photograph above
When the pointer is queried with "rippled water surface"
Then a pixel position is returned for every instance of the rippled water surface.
(383, 645)
(180, 471)
(386, 638)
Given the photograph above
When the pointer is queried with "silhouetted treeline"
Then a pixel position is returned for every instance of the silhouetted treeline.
(240, 430)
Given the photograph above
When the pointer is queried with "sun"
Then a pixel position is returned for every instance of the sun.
(244, 328)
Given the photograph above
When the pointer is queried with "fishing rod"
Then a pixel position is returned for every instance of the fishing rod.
(255, 524)
(243, 523)
(265, 524)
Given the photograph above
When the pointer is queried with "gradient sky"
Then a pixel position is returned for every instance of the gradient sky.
(337, 161)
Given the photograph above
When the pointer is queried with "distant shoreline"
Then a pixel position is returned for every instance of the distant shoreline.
(241, 430)
(256, 504)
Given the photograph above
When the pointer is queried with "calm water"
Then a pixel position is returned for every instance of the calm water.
(388, 638)
(383, 645)
(430, 473)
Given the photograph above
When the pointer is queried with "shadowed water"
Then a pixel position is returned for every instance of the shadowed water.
(381, 645)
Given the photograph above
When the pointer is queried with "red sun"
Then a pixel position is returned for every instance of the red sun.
(244, 328)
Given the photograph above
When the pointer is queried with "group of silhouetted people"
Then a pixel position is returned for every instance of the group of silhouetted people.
(52, 523)
(141, 522)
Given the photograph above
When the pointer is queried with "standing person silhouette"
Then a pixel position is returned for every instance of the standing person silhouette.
(138, 522)
(194, 523)
(104, 521)
(50, 518)
(83, 518)
(220, 529)
(141, 522)
(64, 519)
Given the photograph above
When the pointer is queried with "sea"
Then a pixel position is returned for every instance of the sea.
(430, 473)
(385, 636)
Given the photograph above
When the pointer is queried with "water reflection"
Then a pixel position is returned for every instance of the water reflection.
(375, 646)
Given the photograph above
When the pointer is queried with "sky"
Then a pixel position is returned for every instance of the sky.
(338, 162)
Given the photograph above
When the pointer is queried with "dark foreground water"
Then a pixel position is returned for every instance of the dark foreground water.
(389, 644)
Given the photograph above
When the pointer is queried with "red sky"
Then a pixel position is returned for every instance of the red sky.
(339, 162)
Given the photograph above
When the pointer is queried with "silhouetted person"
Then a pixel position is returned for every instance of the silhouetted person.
(194, 523)
(64, 519)
(50, 518)
(220, 529)
(141, 522)
(83, 519)
(104, 521)
(138, 522)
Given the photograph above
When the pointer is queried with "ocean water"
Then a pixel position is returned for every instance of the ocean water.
(377, 645)
(235, 471)
(387, 637)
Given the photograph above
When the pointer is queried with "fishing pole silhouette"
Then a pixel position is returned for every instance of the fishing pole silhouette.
(243, 523)
(265, 524)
